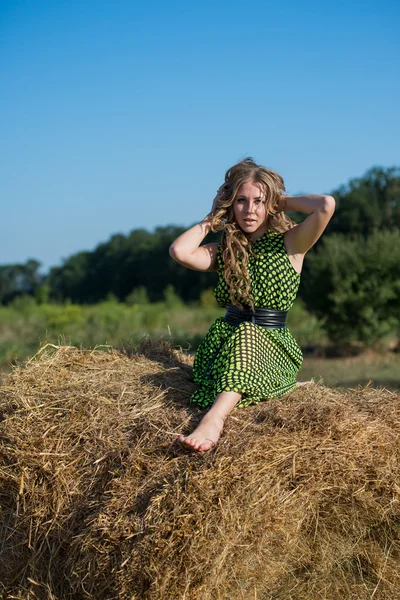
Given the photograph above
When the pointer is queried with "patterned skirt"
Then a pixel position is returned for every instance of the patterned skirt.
(259, 363)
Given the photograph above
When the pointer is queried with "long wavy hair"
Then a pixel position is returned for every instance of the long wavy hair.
(235, 245)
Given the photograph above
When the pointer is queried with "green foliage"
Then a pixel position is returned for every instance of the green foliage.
(368, 203)
(24, 324)
(350, 284)
(355, 284)
(306, 328)
(19, 280)
(172, 300)
(125, 263)
(207, 299)
(42, 293)
(73, 279)
(141, 259)
(111, 297)
(23, 304)
(59, 320)
(138, 296)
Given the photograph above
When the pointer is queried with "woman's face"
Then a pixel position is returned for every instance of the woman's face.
(249, 210)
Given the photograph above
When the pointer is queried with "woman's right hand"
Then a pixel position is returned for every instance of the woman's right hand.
(217, 198)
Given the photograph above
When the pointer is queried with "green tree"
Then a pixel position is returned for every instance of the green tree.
(141, 258)
(19, 280)
(125, 263)
(72, 279)
(368, 203)
(355, 285)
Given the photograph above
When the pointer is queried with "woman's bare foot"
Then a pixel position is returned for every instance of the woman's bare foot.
(206, 434)
(208, 431)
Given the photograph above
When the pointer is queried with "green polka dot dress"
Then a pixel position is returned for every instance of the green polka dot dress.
(259, 363)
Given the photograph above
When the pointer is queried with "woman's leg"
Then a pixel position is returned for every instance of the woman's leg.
(208, 431)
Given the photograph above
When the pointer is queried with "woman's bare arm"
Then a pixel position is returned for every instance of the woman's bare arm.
(186, 249)
(320, 209)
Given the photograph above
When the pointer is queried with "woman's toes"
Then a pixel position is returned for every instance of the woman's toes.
(191, 443)
(183, 441)
(208, 445)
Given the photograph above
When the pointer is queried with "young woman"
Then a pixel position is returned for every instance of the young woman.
(249, 354)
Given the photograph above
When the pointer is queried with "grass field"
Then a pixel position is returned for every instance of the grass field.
(382, 369)
(25, 326)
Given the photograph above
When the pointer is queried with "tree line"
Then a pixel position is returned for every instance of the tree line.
(351, 277)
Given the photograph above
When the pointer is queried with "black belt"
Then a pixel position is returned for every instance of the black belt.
(269, 318)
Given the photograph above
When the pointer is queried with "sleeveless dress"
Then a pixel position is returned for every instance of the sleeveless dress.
(260, 363)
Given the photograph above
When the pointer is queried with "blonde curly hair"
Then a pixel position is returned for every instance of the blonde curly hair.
(235, 245)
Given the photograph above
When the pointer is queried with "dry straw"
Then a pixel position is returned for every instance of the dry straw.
(300, 499)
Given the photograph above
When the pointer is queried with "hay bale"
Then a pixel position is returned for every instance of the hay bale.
(300, 499)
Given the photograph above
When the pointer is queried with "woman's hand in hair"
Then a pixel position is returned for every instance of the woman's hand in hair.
(217, 198)
(281, 203)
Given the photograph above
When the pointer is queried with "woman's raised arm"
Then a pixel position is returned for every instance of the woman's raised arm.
(320, 208)
(186, 249)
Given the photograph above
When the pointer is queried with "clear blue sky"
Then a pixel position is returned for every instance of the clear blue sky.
(126, 114)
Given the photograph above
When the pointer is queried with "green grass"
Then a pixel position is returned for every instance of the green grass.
(25, 326)
(382, 369)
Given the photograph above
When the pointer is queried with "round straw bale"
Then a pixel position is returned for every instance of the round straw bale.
(299, 500)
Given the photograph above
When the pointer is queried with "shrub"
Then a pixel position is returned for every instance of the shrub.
(207, 299)
(42, 293)
(355, 284)
(138, 296)
(172, 300)
(306, 328)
